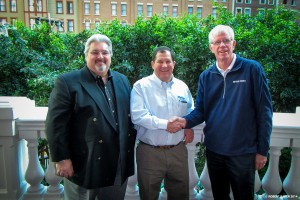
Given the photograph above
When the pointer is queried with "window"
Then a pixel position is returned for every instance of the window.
(114, 9)
(175, 11)
(123, 9)
(31, 23)
(59, 26)
(140, 10)
(261, 11)
(214, 12)
(13, 6)
(59, 7)
(293, 3)
(13, 21)
(97, 8)
(247, 1)
(271, 2)
(247, 11)
(39, 6)
(149, 10)
(238, 11)
(3, 21)
(124, 23)
(87, 8)
(224, 1)
(190, 10)
(262, 1)
(199, 12)
(70, 8)
(2, 6)
(31, 5)
(239, 1)
(97, 23)
(87, 25)
(70, 26)
(165, 10)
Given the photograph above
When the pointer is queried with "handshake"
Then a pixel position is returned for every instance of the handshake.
(175, 124)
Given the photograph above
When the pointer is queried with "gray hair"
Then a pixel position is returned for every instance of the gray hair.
(217, 30)
(97, 38)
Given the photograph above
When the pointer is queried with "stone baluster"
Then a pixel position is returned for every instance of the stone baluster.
(205, 193)
(193, 174)
(291, 183)
(34, 173)
(132, 190)
(271, 182)
(257, 185)
(163, 194)
(55, 189)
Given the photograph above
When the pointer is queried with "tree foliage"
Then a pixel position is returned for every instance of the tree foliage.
(32, 59)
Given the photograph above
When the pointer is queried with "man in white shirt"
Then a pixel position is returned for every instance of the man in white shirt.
(161, 154)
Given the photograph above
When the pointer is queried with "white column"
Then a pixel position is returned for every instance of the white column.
(34, 173)
(257, 185)
(193, 174)
(55, 190)
(206, 193)
(163, 195)
(271, 182)
(132, 190)
(13, 151)
(291, 183)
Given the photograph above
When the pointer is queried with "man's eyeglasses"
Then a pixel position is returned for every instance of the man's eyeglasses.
(97, 53)
(219, 42)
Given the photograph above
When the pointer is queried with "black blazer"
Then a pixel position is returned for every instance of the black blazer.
(81, 127)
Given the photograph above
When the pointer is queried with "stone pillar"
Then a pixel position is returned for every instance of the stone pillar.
(291, 183)
(271, 182)
(132, 190)
(13, 151)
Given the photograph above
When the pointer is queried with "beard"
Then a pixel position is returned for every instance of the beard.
(101, 68)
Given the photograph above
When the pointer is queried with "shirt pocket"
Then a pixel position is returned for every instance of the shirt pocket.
(182, 106)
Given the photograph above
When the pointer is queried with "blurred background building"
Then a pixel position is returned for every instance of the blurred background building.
(77, 15)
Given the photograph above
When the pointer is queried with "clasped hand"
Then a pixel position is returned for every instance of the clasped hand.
(175, 124)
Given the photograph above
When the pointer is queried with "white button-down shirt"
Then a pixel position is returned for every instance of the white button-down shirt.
(153, 102)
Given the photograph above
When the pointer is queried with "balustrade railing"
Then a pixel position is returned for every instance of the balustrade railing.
(22, 125)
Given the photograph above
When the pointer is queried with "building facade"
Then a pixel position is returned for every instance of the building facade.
(77, 15)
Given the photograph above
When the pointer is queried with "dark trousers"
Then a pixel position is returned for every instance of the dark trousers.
(235, 171)
(114, 192)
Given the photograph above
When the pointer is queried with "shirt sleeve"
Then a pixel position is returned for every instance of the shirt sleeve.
(140, 114)
(263, 106)
(196, 116)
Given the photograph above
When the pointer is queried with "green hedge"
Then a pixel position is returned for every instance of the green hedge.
(32, 59)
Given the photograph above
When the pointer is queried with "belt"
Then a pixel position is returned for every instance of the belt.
(164, 147)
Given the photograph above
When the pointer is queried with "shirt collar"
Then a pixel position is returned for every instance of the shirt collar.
(230, 66)
(97, 76)
(161, 83)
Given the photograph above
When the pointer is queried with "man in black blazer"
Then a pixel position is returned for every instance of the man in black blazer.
(88, 127)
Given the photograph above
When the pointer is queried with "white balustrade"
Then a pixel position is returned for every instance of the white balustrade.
(21, 173)
(55, 191)
(271, 183)
(132, 191)
(193, 174)
(34, 173)
(291, 183)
